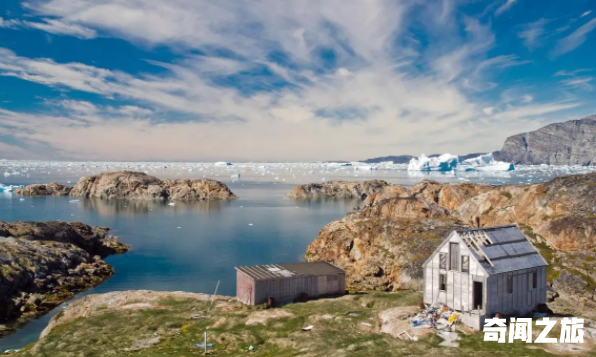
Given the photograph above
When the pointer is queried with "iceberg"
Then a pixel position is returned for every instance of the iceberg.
(485, 162)
(448, 162)
(223, 163)
(445, 162)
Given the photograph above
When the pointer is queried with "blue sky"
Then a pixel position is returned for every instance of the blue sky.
(287, 80)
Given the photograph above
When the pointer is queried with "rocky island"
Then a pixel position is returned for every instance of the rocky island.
(43, 264)
(383, 245)
(132, 185)
(337, 189)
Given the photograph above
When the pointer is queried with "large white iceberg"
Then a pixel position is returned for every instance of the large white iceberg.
(485, 162)
(445, 162)
(448, 162)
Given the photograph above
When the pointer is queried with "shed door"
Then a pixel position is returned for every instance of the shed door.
(478, 298)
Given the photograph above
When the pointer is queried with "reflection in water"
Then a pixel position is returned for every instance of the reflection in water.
(139, 207)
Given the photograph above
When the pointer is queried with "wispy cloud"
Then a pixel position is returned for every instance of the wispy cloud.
(579, 82)
(586, 13)
(506, 6)
(350, 71)
(574, 40)
(532, 33)
(58, 27)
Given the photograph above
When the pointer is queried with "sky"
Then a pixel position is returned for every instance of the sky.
(292, 80)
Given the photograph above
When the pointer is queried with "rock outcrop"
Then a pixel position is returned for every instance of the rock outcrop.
(569, 143)
(383, 245)
(337, 189)
(44, 264)
(45, 189)
(130, 185)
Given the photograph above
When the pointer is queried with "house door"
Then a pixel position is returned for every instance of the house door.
(478, 298)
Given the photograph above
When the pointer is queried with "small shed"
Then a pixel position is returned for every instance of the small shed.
(285, 283)
(480, 272)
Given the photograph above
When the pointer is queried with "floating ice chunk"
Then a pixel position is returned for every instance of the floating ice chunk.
(485, 162)
(235, 177)
(223, 163)
(172, 204)
(445, 162)
(73, 201)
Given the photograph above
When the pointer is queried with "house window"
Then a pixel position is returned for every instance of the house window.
(534, 279)
(442, 260)
(442, 282)
(510, 284)
(465, 264)
(453, 256)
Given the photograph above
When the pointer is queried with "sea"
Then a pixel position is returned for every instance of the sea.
(194, 246)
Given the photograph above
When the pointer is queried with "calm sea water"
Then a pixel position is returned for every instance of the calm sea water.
(189, 247)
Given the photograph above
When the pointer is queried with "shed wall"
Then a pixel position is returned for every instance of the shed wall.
(287, 289)
(524, 296)
(459, 290)
(245, 288)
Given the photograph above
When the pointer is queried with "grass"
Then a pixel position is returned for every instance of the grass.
(335, 333)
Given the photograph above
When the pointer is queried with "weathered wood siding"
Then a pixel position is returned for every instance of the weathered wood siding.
(286, 290)
(459, 293)
(524, 296)
(245, 289)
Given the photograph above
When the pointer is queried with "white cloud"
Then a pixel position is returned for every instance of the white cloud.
(10, 24)
(504, 7)
(379, 94)
(532, 33)
(576, 39)
(527, 98)
(586, 13)
(58, 27)
(571, 73)
(489, 110)
(579, 82)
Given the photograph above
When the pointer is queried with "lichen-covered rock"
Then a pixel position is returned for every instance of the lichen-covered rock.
(382, 252)
(337, 189)
(383, 245)
(130, 185)
(45, 189)
(44, 264)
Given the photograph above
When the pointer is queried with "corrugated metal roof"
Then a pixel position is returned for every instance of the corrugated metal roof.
(280, 271)
(507, 249)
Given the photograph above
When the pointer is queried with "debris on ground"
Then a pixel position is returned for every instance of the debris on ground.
(437, 316)
(307, 328)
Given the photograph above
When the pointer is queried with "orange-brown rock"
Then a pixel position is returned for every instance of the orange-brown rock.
(132, 185)
(44, 189)
(383, 245)
(337, 189)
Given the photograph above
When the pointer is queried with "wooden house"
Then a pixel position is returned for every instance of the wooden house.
(480, 272)
(286, 283)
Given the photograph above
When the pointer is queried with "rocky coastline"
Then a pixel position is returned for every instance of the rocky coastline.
(132, 185)
(383, 245)
(43, 264)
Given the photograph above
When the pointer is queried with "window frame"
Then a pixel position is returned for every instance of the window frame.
(443, 262)
(510, 284)
(467, 265)
(443, 282)
(451, 256)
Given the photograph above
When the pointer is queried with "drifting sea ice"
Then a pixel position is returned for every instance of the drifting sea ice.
(445, 162)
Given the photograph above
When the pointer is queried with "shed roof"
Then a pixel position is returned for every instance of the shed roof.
(501, 249)
(280, 271)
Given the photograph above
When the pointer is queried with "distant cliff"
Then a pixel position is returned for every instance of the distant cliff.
(569, 143)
